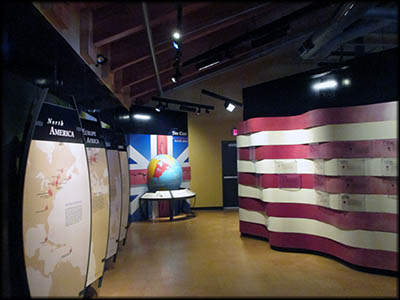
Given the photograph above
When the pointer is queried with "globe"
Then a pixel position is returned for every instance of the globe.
(164, 173)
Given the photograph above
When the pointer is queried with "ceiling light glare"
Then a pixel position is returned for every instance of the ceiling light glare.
(209, 65)
(328, 84)
(346, 82)
(141, 117)
(229, 106)
(176, 35)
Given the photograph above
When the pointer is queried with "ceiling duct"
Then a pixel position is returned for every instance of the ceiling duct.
(259, 33)
(351, 34)
(382, 13)
(347, 14)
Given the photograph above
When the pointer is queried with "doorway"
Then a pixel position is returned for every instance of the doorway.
(229, 174)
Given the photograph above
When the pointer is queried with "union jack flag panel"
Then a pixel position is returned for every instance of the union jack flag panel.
(141, 149)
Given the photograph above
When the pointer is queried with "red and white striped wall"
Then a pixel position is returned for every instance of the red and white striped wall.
(325, 181)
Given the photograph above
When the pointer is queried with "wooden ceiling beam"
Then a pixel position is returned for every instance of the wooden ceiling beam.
(301, 28)
(138, 72)
(129, 20)
(194, 24)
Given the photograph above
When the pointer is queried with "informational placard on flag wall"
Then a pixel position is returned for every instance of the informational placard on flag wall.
(99, 182)
(56, 205)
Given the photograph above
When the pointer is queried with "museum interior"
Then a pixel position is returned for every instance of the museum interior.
(288, 111)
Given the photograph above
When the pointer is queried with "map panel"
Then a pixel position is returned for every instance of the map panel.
(123, 157)
(100, 211)
(115, 201)
(56, 218)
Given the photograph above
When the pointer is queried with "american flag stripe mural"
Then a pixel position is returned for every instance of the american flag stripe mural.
(325, 180)
(141, 149)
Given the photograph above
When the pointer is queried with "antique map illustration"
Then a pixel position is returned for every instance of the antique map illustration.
(56, 218)
(115, 201)
(100, 211)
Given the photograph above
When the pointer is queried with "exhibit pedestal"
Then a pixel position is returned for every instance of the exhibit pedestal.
(169, 195)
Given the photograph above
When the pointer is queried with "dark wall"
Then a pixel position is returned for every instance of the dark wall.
(373, 79)
(163, 122)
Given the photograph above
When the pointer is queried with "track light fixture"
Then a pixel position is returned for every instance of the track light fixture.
(176, 76)
(198, 111)
(159, 107)
(229, 106)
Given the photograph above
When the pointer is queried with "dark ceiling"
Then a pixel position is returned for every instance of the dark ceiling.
(235, 33)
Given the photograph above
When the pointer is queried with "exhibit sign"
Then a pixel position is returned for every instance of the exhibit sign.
(114, 171)
(56, 205)
(99, 183)
(123, 159)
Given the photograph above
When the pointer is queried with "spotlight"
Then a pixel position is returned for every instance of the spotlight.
(176, 45)
(159, 107)
(346, 82)
(176, 35)
(100, 59)
(229, 106)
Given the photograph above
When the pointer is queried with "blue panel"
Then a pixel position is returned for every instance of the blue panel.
(179, 144)
(131, 161)
(141, 143)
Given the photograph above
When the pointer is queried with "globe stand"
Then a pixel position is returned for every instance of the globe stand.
(169, 195)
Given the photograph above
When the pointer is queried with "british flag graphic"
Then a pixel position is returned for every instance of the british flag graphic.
(141, 149)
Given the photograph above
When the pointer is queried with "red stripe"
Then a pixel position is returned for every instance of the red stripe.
(138, 177)
(162, 144)
(356, 149)
(379, 259)
(341, 219)
(329, 184)
(186, 173)
(253, 229)
(324, 116)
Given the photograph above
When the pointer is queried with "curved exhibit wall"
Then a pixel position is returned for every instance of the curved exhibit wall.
(56, 206)
(123, 159)
(114, 170)
(99, 183)
(325, 181)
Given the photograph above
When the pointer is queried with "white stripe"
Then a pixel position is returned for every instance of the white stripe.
(374, 240)
(182, 157)
(153, 145)
(136, 190)
(253, 216)
(142, 162)
(331, 167)
(326, 133)
(343, 202)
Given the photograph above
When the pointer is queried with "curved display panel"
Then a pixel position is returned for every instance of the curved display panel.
(100, 192)
(56, 206)
(100, 211)
(115, 201)
(123, 158)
